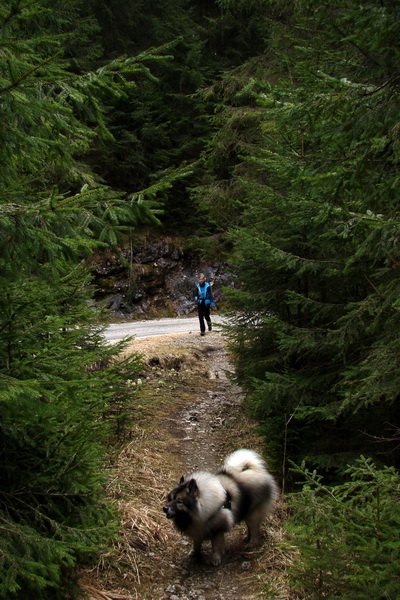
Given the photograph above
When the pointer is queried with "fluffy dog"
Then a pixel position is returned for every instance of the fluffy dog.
(204, 506)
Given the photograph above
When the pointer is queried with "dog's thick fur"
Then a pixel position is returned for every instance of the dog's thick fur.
(205, 506)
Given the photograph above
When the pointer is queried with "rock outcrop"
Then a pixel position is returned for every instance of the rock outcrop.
(154, 279)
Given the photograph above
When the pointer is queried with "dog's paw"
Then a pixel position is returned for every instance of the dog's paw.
(215, 560)
(251, 543)
(252, 538)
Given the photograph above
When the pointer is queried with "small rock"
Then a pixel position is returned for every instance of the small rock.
(170, 589)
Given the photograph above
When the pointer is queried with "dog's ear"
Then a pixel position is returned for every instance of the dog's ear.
(192, 487)
(182, 479)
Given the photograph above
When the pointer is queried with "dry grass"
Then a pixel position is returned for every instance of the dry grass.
(136, 490)
(136, 485)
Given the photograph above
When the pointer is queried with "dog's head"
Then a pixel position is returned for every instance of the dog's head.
(182, 500)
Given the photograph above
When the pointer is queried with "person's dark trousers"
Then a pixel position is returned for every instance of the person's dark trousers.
(204, 315)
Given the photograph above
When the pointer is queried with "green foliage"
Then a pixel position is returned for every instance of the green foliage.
(58, 389)
(159, 127)
(58, 379)
(220, 193)
(347, 534)
(317, 239)
(164, 123)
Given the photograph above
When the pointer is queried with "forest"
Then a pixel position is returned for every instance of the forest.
(264, 131)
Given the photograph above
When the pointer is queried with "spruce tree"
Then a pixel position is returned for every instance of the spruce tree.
(346, 534)
(317, 252)
(316, 315)
(58, 379)
(159, 126)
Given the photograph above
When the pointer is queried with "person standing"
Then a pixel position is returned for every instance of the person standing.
(204, 299)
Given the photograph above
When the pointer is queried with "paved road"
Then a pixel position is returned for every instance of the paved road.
(138, 329)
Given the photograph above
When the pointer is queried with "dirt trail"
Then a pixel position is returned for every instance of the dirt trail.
(188, 415)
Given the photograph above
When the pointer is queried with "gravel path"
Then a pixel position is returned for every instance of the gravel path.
(210, 427)
(197, 418)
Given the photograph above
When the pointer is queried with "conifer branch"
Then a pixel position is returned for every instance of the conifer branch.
(27, 74)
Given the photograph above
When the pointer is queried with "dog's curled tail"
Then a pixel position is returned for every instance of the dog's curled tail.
(243, 460)
(248, 468)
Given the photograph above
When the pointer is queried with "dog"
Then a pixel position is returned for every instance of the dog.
(205, 506)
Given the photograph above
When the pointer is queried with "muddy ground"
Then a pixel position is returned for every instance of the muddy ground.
(187, 413)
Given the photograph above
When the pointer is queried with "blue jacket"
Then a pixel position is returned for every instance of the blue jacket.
(203, 292)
